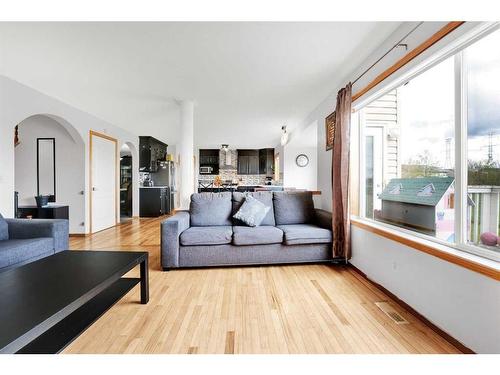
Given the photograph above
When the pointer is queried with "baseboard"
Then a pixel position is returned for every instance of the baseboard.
(464, 349)
(78, 234)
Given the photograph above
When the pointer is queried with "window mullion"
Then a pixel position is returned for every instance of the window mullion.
(460, 150)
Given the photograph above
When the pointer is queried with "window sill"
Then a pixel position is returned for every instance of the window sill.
(486, 267)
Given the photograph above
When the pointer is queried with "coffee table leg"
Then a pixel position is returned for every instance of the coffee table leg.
(144, 281)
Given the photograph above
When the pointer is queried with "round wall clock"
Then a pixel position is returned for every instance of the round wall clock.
(302, 160)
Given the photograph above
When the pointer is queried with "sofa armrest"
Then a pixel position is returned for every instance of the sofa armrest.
(323, 218)
(57, 229)
(171, 229)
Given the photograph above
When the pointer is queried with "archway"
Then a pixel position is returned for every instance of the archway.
(47, 141)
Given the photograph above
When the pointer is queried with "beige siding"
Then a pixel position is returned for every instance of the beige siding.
(384, 112)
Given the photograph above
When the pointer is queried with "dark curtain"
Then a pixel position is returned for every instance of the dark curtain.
(340, 175)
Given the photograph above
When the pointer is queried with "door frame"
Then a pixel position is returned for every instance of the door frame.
(117, 198)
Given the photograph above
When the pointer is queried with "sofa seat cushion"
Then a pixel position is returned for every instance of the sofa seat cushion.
(217, 235)
(300, 234)
(293, 207)
(210, 209)
(20, 250)
(265, 197)
(264, 235)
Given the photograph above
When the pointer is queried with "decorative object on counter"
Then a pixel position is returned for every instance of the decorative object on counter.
(330, 130)
(217, 181)
(284, 135)
(302, 160)
(41, 200)
(252, 212)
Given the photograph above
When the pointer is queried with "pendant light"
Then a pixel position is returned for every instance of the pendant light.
(284, 135)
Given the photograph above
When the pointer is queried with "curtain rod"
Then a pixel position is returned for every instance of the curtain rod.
(389, 51)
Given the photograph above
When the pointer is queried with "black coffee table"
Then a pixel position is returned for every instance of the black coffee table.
(46, 304)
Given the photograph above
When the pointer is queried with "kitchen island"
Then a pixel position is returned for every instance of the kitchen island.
(210, 188)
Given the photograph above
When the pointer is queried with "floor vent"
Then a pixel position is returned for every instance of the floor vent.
(391, 312)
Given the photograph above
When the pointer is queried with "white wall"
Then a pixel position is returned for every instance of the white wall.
(299, 177)
(69, 160)
(463, 303)
(18, 102)
(301, 141)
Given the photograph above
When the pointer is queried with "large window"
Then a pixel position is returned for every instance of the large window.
(409, 158)
(482, 70)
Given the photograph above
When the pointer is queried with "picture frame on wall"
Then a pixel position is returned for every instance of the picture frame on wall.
(330, 130)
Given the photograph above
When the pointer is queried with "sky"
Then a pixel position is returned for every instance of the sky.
(427, 106)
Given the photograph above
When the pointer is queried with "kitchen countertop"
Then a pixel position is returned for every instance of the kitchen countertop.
(153, 187)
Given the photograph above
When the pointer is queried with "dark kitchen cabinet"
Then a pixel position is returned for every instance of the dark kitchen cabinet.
(151, 151)
(248, 161)
(154, 201)
(266, 161)
(210, 158)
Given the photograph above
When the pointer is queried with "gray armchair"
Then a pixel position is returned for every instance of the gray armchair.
(23, 241)
(170, 232)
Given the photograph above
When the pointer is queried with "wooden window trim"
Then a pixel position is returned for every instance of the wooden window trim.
(429, 249)
(422, 47)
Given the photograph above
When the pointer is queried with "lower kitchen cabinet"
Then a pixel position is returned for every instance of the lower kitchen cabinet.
(154, 201)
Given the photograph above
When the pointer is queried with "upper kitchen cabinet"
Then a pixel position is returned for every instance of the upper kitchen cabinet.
(209, 161)
(151, 150)
(248, 161)
(266, 161)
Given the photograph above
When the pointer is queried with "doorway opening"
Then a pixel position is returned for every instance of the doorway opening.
(126, 195)
(48, 184)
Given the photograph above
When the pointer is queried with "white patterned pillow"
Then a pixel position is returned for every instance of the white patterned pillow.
(252, 212)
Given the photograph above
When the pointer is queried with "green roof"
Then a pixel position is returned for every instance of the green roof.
(421, 190)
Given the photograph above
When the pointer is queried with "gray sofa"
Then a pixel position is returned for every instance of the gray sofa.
(23, 241)
(292, 232)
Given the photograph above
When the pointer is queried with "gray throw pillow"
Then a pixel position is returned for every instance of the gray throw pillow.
(252, 212)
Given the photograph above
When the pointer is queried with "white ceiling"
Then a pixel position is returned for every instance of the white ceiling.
(247, 79)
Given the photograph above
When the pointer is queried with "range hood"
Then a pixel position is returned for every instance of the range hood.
(227, 159)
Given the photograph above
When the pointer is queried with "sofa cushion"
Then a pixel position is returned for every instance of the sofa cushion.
(209, 209)
(19, 250)
(252, 212)
(293, 208)
(263, 235)
(265, 197)
(300, 234)
(4, 229)
(215, 235)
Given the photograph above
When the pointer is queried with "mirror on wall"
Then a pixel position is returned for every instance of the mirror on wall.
(46, 167)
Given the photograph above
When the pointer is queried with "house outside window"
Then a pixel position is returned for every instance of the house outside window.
(409, 160)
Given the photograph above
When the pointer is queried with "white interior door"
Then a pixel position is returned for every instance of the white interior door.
(103, 187)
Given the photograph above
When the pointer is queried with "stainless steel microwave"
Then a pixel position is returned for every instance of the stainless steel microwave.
(206, 170)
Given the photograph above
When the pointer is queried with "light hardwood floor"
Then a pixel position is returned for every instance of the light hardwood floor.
(277, 309)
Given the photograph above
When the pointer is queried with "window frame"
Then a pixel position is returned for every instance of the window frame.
(455, 50)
